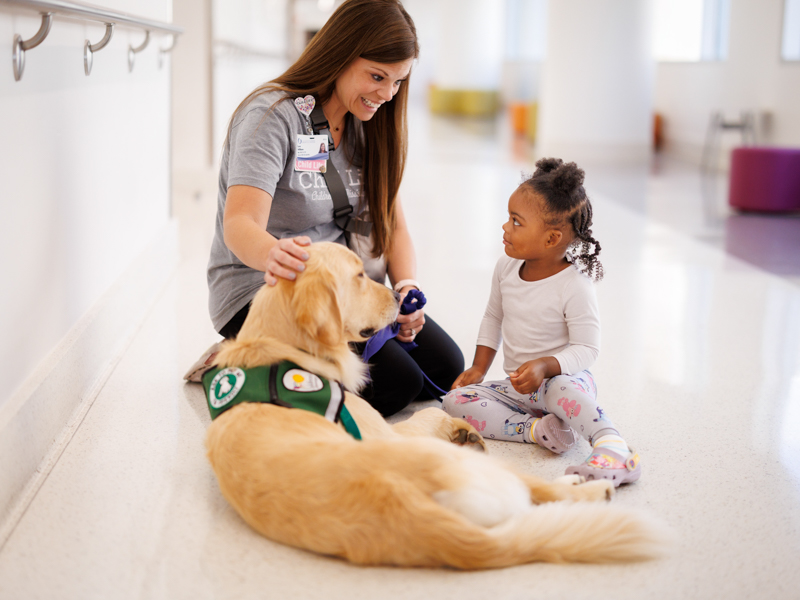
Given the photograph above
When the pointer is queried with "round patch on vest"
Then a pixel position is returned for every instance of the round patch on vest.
(296, 380)
(225, 386)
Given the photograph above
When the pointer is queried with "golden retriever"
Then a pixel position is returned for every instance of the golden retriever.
(404, 494)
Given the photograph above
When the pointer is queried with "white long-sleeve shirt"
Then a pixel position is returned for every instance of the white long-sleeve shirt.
(556, 316)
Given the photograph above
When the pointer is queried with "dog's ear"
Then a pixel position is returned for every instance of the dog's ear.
(316, 307)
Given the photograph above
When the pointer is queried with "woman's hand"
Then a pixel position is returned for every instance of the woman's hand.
(402, 265)
(412, 324)
(472, 375)
(244, 225)
(285, 259)
(529, 376)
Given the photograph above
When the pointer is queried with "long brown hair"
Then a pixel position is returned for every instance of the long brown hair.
(376, 30)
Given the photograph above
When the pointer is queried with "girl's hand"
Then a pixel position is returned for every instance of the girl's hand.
(470, 376)
(285, 259)
(529, 376)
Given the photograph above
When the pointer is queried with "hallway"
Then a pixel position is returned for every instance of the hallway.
(700, 367)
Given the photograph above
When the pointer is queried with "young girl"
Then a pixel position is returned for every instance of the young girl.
(544, 310)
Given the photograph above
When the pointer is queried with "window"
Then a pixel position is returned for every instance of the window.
(790, 45)
(691, 30)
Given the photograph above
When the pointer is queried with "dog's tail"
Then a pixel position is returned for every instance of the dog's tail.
(555, 532)
(581, 532)
(432, 535)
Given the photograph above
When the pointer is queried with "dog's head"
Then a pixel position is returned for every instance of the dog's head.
(331, 302)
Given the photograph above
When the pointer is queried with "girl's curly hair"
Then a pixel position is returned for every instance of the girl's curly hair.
(560, 185)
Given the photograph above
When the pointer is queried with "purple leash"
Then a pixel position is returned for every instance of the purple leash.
(413, 301)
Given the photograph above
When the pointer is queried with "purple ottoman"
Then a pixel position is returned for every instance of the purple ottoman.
(765, 179)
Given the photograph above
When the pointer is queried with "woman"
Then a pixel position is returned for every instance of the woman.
(357, 69)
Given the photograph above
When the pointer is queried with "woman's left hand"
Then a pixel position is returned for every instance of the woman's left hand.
(410, 325)
(402, 267)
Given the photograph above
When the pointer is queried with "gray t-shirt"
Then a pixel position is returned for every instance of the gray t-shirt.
(260, 152)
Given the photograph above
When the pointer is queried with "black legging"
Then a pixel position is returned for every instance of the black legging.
(396, 375)
(232, 327)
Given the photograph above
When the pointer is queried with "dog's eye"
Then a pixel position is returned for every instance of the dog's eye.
(361, 274)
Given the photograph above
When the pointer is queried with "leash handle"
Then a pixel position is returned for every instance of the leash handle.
(413, 301)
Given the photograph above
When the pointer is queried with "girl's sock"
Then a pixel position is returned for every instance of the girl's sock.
(530, 431)
(612, 442)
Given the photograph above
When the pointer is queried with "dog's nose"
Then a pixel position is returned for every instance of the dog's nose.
(396, 297)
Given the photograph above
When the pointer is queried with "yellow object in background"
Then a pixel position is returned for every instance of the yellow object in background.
(472, 103)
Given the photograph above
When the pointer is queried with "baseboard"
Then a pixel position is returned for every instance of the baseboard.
(38, 421)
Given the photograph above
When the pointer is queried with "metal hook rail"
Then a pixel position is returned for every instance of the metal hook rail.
(87, 12)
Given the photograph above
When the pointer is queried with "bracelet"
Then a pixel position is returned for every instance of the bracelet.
(401, 284)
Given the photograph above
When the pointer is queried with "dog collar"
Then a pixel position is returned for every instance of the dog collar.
(283, 384)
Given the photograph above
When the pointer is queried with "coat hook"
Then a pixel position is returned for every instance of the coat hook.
(89, 49)
(163, 51)
(132, 52)
(20, 46)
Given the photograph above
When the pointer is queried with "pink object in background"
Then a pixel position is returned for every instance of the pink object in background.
(765, 179)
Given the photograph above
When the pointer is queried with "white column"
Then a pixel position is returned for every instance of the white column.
(597, 81)
(469, 52)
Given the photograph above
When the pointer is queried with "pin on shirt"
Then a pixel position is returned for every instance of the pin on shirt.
(305, 105)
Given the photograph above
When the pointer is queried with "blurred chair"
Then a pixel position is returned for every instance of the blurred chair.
(765, 179)
(717, 125)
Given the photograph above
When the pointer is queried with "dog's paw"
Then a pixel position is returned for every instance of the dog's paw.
(465, 434)
(570, 479)
(600, 489)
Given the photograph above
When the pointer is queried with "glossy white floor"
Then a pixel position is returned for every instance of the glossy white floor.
(700, 368)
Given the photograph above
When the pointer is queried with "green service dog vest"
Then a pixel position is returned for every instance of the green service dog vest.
(283, 384)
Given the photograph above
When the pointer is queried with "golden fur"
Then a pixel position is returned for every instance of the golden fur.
(409, 494)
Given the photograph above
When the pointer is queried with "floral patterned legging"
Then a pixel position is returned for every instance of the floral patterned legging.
(499, 412)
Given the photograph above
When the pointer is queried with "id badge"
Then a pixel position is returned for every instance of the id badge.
(312, 153)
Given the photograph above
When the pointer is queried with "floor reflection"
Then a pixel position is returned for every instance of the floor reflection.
(771, 243)
(680, 196)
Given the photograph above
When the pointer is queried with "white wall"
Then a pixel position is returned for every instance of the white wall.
(260, 29)
(85, 169)
(753, 78)
(307, 15)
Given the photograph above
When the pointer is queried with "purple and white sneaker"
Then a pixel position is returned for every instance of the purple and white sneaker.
(604, 463)
(552, 433)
